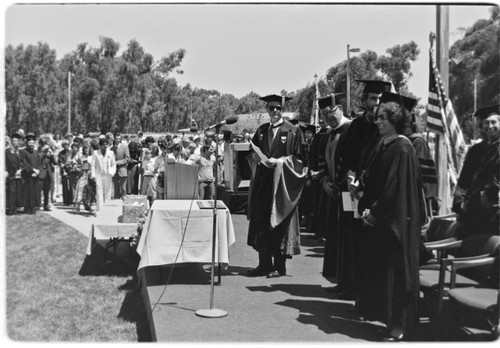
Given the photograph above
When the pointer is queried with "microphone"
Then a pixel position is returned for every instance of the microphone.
(227, 120)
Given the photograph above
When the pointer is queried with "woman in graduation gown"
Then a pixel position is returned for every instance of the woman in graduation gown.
(393, 211)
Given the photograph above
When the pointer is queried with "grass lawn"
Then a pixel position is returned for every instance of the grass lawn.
(55, 292)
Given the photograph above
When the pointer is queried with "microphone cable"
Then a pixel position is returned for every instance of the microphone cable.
(176, 256)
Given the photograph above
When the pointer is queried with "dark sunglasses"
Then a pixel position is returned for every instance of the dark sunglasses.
(277, 108)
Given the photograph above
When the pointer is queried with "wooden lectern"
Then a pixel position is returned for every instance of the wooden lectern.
(181, 180)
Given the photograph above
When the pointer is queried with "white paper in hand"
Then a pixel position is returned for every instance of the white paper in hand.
(263, 158)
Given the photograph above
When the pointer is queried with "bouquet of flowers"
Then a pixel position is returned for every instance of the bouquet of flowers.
(140, 226)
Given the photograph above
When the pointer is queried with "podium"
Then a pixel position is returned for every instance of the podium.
(237, 174)
(181, 180)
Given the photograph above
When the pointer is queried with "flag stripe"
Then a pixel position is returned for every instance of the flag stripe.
(442, 118)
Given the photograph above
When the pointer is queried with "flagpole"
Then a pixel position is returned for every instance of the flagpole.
(315, 120)
(442, 56)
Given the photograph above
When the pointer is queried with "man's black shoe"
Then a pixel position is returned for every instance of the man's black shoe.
(256, 272)
(273, 274)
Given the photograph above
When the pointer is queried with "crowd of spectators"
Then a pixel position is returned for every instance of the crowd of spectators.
(88, 170)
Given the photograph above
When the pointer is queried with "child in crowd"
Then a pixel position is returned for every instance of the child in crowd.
(148, 172)
(205, 163)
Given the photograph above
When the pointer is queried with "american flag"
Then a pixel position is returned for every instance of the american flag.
(442, 118)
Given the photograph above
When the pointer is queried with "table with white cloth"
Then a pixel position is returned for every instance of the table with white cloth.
(114, 233)
(179, 231)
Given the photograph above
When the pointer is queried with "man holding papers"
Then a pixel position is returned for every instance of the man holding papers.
(278, 159)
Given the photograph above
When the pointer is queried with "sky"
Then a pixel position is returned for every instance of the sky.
(239, 48)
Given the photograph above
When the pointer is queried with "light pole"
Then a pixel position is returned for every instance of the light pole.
(315, 121)
(69, 101)
(349, 78)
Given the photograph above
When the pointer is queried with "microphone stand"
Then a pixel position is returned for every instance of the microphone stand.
(213, 312)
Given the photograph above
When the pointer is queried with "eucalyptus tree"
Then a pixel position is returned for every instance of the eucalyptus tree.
(33, 94)
(475, 59)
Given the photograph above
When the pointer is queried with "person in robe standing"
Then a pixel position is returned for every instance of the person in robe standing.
(476, 199)
(317, 166)
(306, 203)
(13, 182)
(31, 164)
(360, 141)
(332, 182)
(275, 190)
(393, 211)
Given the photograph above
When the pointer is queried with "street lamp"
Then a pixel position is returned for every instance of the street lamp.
(349, 78)
(69, 101)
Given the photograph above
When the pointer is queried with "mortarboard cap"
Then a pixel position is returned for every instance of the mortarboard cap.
(16, 135)
(487, 111)
(307, 127)
(408, 103)
(30, 136)
(274, 98)
(331, 100)
(376, 86)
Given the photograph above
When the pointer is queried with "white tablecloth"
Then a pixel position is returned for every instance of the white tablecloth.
(108, 231)
(178, 231)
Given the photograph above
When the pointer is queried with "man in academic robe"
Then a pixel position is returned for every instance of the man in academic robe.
(317, 167)
(306, 203)
(31, 163)
(275, 189)
(13, 182)
(476, 199)
(332, 181)
(360, 141)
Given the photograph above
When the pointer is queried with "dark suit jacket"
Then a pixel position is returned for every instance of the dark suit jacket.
(47, 167)
(122, 158)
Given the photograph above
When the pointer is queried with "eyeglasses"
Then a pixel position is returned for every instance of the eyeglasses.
(275, 107)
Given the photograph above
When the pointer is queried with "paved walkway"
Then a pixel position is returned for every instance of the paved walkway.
(83, 220)
(294, 308)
